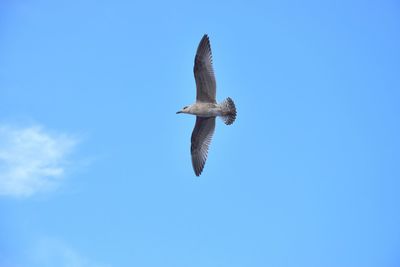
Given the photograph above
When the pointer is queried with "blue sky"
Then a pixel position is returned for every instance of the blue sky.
(95, 165)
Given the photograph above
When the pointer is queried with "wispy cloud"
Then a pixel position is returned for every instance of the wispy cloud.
(49, 252)
(32, 159)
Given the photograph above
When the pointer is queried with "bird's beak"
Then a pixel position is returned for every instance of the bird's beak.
(178, 112)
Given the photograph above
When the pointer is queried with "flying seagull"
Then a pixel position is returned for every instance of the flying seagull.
(206, 107)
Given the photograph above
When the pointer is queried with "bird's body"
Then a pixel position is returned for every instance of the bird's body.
(206, 107)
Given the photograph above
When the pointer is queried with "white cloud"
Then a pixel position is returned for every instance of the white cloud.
(50, 252)
(32, 160)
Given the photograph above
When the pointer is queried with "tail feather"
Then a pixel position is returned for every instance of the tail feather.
(228, 111)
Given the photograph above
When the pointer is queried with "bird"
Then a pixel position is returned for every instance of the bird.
(206, 108)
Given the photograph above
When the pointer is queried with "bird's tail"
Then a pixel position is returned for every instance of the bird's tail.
(228, 111)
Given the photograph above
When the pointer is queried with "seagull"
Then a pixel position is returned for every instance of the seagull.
(206, 107)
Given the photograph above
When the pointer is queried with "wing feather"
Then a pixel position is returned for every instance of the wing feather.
(201, 138)
(204, 72)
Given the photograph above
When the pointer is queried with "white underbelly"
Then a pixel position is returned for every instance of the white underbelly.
(207, 112)
(210, 113)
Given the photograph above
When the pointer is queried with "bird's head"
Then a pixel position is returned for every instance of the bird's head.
(185, 109)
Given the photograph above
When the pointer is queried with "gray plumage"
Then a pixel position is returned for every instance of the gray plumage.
(204, 72)
(206, 107)
(201, 138)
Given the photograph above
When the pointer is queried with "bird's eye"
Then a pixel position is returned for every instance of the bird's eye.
(185, 107)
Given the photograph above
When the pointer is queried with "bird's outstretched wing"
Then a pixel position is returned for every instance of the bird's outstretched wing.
(204, 72)
(201, 138)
